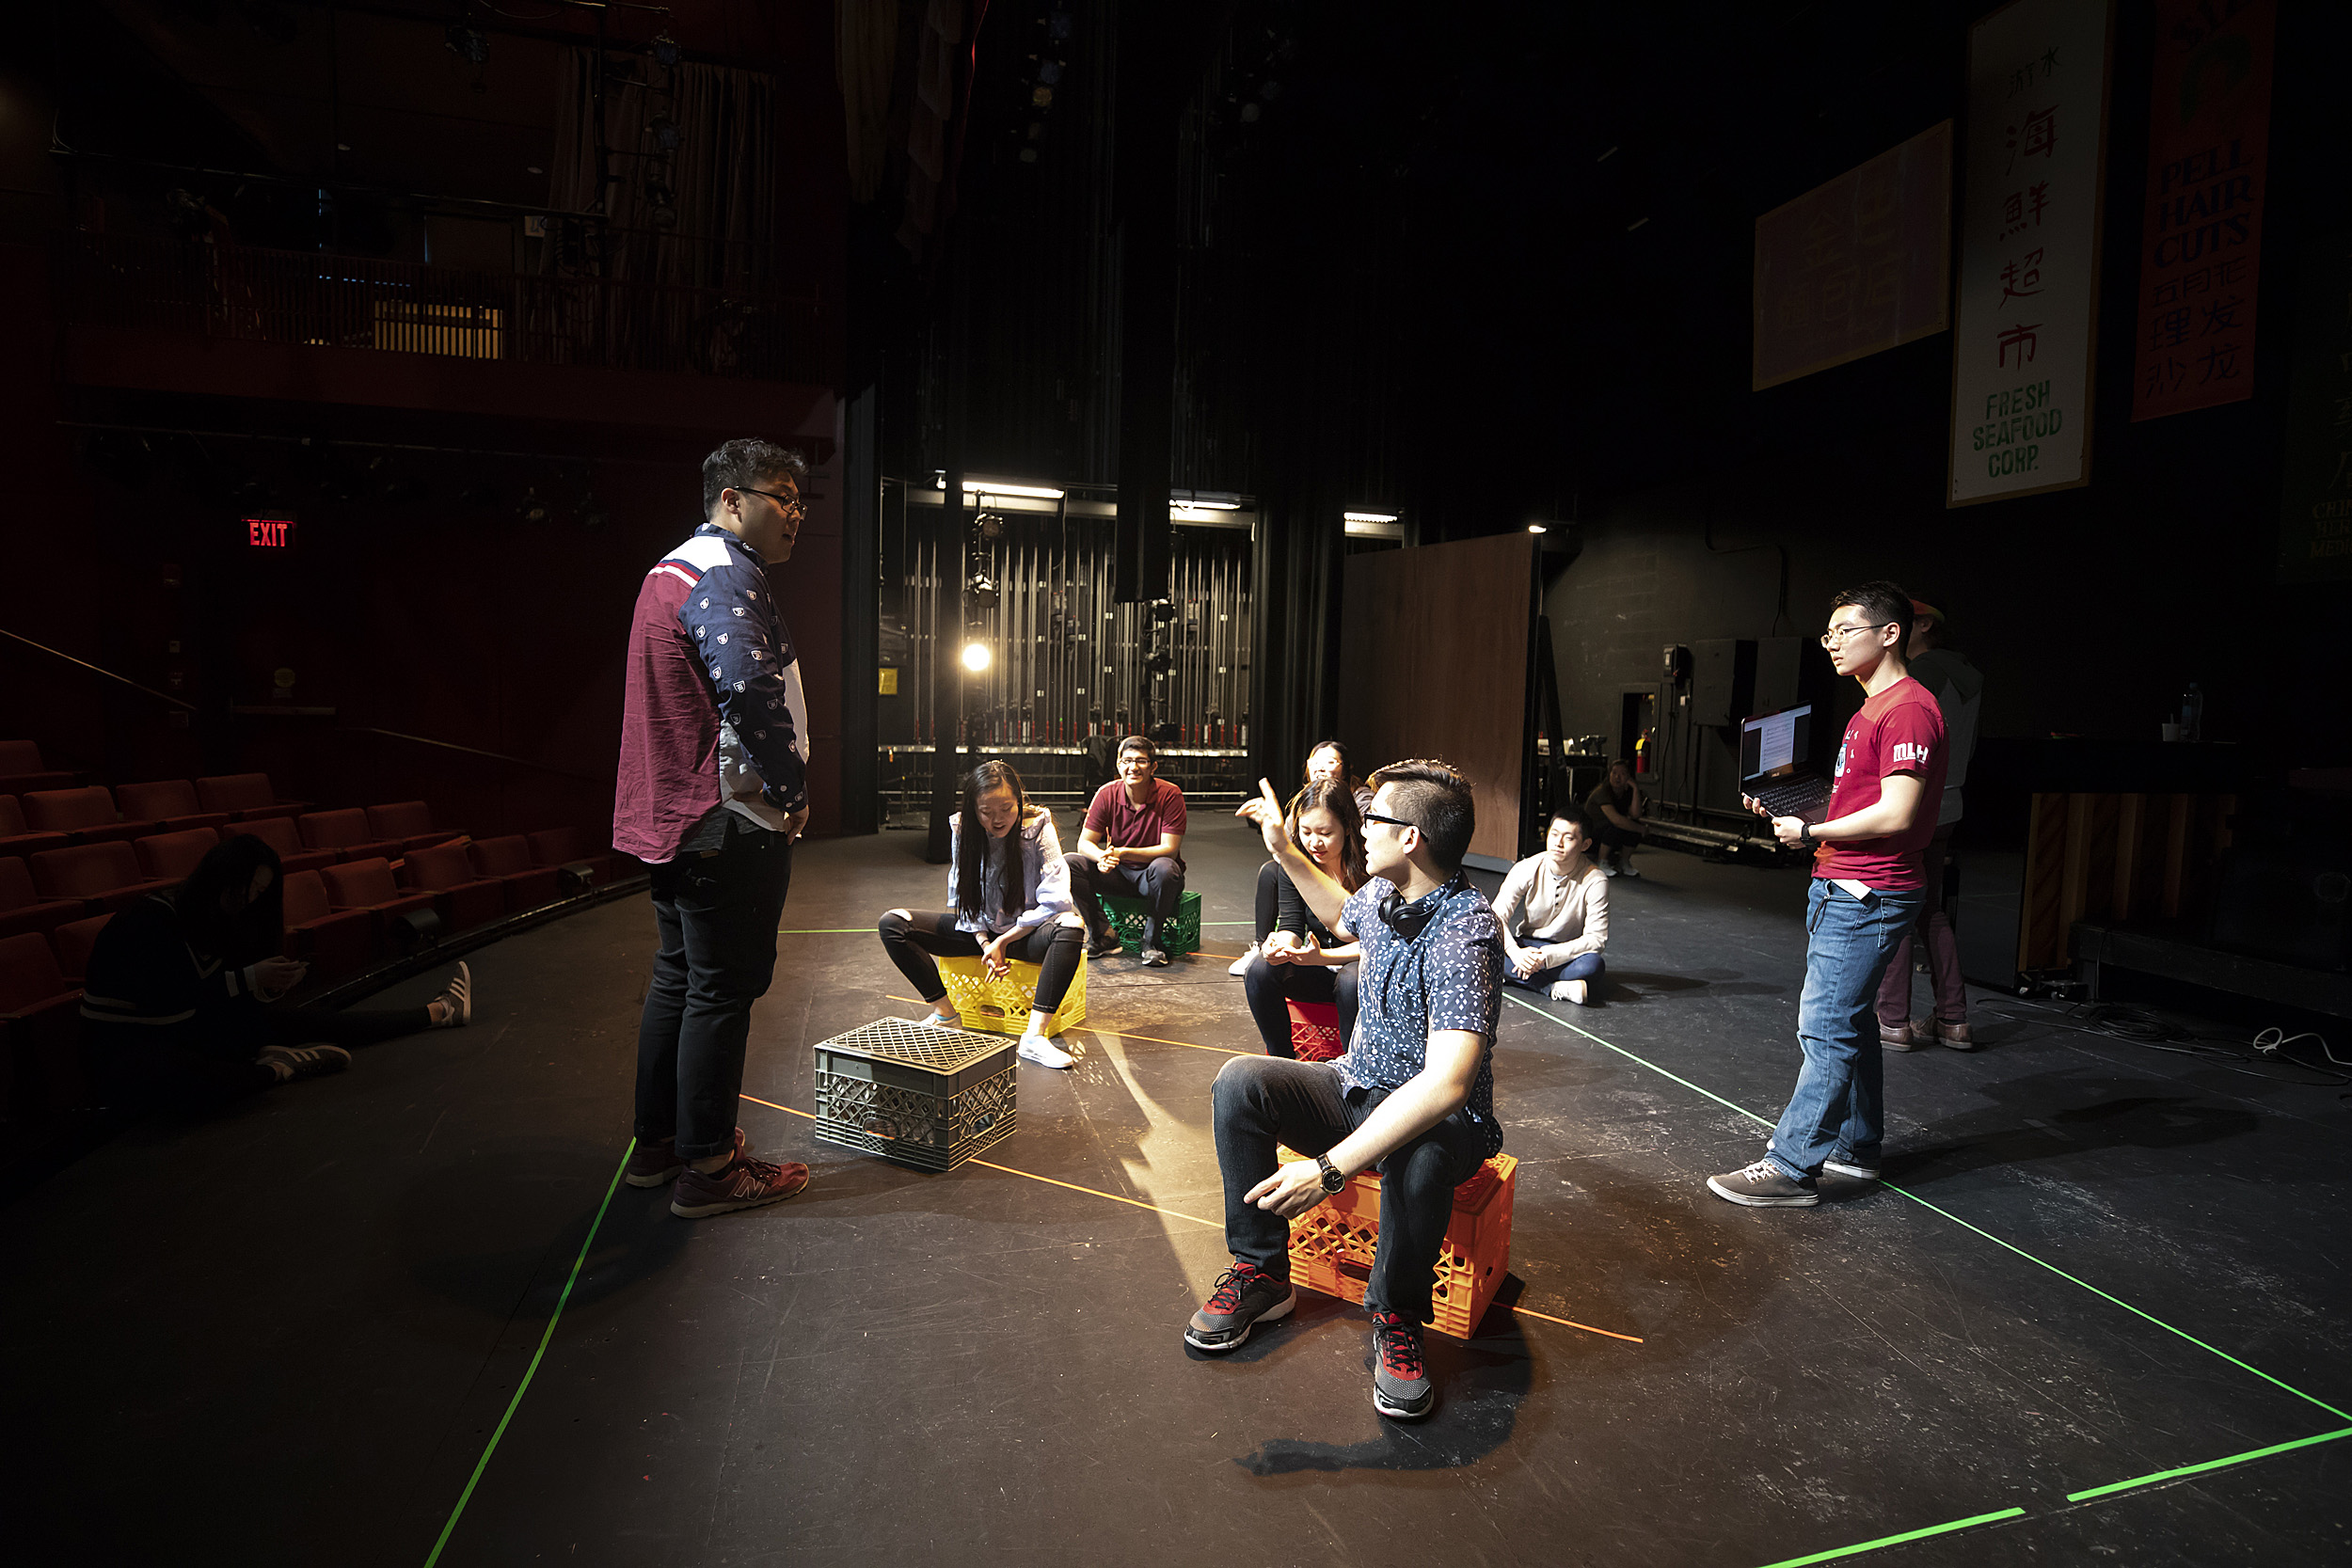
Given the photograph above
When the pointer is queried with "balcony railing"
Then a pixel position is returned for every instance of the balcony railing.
(279, 297)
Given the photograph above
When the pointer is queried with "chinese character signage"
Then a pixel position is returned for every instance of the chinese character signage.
(2315, 523)
(1858, 265)
(2029, 294)
(2201, 246)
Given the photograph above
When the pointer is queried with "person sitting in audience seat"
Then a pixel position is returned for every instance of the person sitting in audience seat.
(1554, 910)
(1012, 891)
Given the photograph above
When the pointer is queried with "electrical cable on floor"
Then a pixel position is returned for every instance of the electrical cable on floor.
(2141, 1027)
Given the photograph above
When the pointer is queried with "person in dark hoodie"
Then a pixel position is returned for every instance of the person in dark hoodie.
(180, 1003)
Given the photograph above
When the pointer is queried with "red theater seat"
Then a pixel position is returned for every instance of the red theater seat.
(22, 770)
(40, 1022)
(245, 797)
(22, 909)
(331, 944)
(507, 860)
(170, 804)
(568, 847)
(368, 885)
(72, 943)
(346, 831)
(412, 823)
(88, 814)
(170, 857)
(464, 900)
(102, 876)
(279, 834)
(15, 839)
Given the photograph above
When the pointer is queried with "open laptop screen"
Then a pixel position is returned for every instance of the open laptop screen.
(1774, 743)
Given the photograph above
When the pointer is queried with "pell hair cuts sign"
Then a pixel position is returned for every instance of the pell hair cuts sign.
(2201, 245)
(2028, 277)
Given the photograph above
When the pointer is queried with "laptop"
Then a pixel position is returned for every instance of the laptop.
(1776, 763)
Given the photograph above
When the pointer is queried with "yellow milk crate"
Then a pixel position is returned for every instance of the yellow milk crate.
(1002, 1006)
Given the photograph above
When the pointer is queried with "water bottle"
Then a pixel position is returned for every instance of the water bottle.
(2192, 714)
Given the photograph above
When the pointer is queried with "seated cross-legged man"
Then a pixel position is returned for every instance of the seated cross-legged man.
(1135, 826)
(1554, 908)
(1299, 959)
(1011, 894)
(1414, 1097)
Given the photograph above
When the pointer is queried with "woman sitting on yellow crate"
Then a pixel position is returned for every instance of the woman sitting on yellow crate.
(1013, 901)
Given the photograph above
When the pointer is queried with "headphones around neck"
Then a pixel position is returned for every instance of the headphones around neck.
(1408, 922)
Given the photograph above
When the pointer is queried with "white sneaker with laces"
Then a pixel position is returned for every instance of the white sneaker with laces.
(942, 1020)
(1045, 1053)
(1568, 990)
(1241, 966)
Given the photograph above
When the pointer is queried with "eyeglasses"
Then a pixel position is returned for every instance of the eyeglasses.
(1391, 822)
(1836, 635)
(791, 506)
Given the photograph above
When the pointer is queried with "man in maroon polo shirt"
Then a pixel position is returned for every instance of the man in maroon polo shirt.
(1135, 826)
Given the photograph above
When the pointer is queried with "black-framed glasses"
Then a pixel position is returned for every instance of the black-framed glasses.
(792, 506)
(1391, 822)
(1836, 635)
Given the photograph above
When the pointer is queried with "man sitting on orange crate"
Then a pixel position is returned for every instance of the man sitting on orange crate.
(1011, 894)
(1413, 1096)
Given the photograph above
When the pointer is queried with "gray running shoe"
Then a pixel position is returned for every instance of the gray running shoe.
(1244, 1297)
(1103, 945)
(1152, 958)
(1846, 1165)
(1762, 1186)
(741, 1183)
(1401, 1389)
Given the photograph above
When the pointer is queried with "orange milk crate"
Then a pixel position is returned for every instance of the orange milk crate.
(1332, 1243)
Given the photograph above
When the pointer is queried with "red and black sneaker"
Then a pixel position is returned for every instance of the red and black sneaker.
(1400, 1381)
(743, 1182)
(1245, 1295)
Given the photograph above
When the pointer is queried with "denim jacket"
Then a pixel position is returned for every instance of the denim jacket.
(1045, 879)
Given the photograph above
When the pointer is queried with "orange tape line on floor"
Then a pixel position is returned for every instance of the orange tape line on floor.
(1180, 1214)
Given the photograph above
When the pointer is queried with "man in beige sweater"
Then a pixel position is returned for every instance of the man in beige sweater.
(1554, 910)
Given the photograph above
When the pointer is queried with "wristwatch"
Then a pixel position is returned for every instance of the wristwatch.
(1805, 835)
(1332, 1180)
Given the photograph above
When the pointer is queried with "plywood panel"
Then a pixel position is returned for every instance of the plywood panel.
(1436, 646)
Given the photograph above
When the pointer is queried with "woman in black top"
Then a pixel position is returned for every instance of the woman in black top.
(178, 1003)
(1326, 764)
(1299, 960)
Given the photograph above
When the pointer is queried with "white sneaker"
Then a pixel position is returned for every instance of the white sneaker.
(1241, 966)
(939, 1021)
(1626, 869)
(1607, 870)
(1045, 1053)
(1568, 990)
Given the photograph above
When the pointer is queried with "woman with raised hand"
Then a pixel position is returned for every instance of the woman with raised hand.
(1299, 959)
(1554, 910)
(1012, 895)
(1326, 764)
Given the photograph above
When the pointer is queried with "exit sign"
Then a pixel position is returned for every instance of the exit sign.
(270, 534)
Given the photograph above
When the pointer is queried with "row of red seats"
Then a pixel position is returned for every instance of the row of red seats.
(92, 814)
(22, 770)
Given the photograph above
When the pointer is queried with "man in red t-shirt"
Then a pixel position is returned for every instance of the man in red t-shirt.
(1867, 890)
(1135, 827)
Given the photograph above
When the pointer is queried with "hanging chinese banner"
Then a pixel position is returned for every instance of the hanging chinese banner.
(2315, 489)
(2028, 292)
(2201, 247)
(1858, 266)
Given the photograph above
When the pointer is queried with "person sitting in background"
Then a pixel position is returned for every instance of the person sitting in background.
(1012, 891)
(1135, 826)
(1554, 910)
(1327, 763)
(1300, 961)
(1959, 691)
(1614, 811)
(179, 999)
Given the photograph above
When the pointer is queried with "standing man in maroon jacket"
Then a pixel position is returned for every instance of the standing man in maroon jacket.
(714, 752)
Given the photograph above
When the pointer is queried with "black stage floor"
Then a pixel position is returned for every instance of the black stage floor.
(2097, 1314)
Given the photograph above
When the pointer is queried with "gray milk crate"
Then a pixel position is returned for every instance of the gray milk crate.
(928, 1097)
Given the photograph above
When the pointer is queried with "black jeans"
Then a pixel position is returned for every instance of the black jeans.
(717, 912)
(1260, 1100)
(925, 934)
(1269, 910)
(1268, 985)
(211, 1058)
(1158, 884)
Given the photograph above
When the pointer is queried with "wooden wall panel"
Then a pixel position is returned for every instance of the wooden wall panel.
(1436, 645)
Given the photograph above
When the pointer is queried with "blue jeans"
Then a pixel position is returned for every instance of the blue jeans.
(1587, 966)
(1838, 1107)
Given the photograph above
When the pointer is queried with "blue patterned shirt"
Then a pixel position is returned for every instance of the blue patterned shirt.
(1449, 978)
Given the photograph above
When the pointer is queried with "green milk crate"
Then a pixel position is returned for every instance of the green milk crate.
(1179, 932)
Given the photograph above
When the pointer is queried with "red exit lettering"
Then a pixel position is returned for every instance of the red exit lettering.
(275, 533)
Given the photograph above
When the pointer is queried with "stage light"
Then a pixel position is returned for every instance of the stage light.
(982, 590)
(976, 656)
(665, 134)
(468, 43)
(1159, 664)
(666, 52)
(992, 487)
(1368, 516)
(1538, 528)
